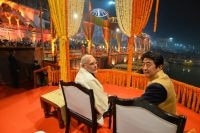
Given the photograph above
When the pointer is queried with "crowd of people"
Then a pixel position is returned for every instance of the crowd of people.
(25, 42)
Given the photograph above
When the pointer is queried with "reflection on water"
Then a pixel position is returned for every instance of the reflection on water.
(187, 74)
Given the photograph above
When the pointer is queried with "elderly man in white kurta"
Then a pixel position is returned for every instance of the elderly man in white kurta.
(86, 77)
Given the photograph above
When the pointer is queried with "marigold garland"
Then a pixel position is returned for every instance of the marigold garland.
(66, 25)
(132, 17)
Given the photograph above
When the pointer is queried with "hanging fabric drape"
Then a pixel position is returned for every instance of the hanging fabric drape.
(132, 20)
(75, 14)
(106, 34)
(58, 15)
(136, 15)
(119, 40)
(124, 15)
(88, 29)
(156, 14)
(66, 25)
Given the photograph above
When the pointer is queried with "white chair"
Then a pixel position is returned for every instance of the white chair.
(80, 104)
(139, 116)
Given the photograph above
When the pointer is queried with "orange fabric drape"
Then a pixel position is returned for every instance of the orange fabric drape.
(88, 29)
(107, 35)
(156, 16)
(119, 39)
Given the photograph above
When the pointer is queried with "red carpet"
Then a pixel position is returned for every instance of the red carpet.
(20, 111)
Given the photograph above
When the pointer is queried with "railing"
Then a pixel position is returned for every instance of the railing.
(44, 69)
(187, 95)
(117, 77)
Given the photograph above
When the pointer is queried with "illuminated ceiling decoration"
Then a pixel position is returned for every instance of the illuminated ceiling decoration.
(98, 16)
(98, 12)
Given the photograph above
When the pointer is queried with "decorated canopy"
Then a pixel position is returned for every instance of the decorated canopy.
(132, 17)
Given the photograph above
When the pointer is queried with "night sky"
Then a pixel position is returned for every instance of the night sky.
(179, 19)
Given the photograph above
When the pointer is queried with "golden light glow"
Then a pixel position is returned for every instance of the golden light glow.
(113, 61)
(53, 46)
(125, 59)
(1, 1)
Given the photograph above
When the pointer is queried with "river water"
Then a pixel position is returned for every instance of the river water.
(186, 74)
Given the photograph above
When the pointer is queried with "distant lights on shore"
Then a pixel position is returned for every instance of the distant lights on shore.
(170, 39)
(186, 70)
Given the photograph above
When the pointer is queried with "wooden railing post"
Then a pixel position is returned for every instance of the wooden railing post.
(49, 71)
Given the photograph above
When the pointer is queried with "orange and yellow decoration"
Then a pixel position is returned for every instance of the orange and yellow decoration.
(66, 16)
(132, 20)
